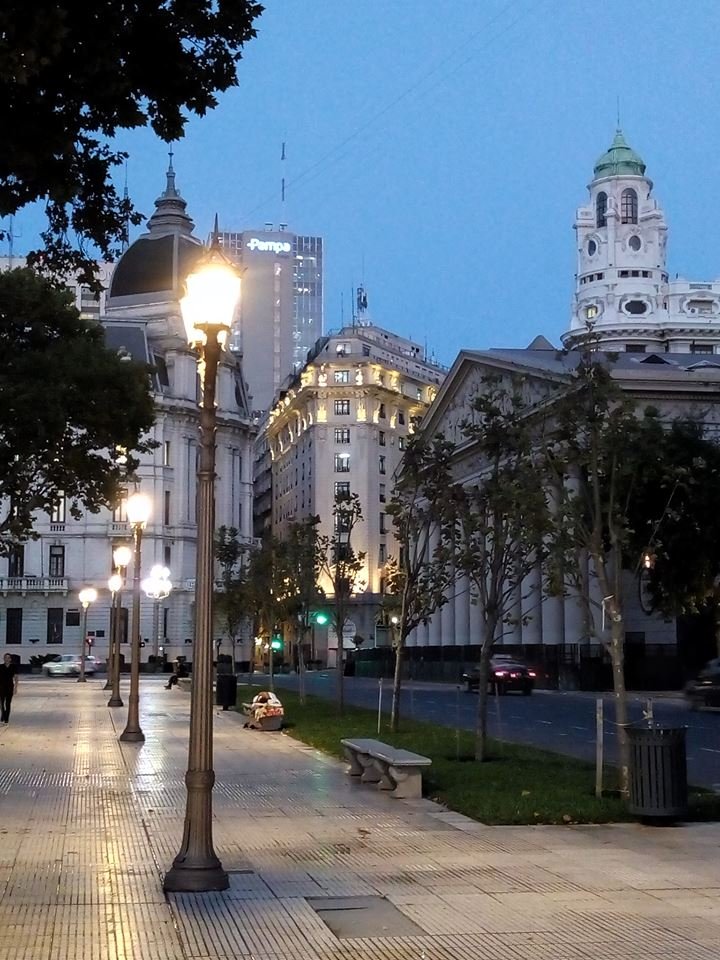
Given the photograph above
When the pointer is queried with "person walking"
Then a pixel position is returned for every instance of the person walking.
(8, 686)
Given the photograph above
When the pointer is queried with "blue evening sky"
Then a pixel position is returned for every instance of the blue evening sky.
(441, 149)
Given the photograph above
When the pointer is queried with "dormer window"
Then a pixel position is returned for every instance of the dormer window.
(628, 206)
(601, 209)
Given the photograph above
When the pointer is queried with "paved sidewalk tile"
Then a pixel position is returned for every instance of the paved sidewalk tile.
(88, 827)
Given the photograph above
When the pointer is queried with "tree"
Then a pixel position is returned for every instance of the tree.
(342, 566)
(232, 600)
(68, 404)
(72, 76)
(419, 579)
(674, 522)
(602, 447)
(502, 517)
(301, 568)
(265, 588)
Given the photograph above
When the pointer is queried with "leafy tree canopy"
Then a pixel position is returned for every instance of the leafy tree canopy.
(72, 75)
(67, 402)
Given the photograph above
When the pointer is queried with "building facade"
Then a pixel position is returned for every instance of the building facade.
(39, 608)
(624, 298)
(281, 308)
(340, 426)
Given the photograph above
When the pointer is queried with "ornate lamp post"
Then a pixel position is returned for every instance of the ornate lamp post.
(121, 558)
(208, 307)
(138, 513)
(86, 596)
(157, 587)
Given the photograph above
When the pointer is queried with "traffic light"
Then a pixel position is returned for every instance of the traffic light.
(321, 618)
(276, 643)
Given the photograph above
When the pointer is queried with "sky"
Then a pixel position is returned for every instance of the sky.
(441, 150)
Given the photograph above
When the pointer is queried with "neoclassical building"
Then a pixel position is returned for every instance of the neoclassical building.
(39, 608)
(658, 338)
(340, 426)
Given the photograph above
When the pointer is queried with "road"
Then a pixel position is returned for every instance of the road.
(559, 721)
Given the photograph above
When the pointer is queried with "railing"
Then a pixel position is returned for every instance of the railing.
(25, 585)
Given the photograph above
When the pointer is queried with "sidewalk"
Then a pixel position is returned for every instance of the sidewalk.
(88, 827)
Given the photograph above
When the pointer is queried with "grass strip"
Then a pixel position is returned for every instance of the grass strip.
(517, 785)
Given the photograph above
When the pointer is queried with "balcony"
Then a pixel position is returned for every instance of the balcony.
(25, 585)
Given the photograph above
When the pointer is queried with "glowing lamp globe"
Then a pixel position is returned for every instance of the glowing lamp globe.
(212, 294)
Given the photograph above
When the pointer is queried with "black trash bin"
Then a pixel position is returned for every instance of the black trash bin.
(226, 690)
(658, 773)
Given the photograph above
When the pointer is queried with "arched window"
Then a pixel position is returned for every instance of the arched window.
(601, 210)
(628, 206)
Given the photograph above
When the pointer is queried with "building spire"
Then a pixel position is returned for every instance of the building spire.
(170, 188)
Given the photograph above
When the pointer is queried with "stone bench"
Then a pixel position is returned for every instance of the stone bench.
(398, 771)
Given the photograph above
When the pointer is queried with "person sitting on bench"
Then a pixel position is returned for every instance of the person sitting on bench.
(179, 670)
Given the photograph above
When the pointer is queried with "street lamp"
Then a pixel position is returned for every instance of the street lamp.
(86, 596)
(157, 587)
(138, 513)
(208, 307)
(121, 558)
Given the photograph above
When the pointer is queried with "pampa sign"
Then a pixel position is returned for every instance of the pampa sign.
(269, 246)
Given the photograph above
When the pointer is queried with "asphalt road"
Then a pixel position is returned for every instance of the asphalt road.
(559, 721)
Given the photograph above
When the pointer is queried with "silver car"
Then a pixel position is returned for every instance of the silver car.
(68, 665)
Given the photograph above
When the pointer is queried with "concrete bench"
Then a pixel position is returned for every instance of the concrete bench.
(398, 771)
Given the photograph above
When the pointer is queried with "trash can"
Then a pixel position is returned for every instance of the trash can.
(658, 772)
(226, 690)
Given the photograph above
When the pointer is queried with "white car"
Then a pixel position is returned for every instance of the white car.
(68, 665)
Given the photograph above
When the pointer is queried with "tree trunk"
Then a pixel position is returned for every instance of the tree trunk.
(301, 664)
(617, 658)
(397, 686)
(484, 673)
(340, 672)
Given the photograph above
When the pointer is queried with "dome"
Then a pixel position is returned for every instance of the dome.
(619, 160)
(159, 260)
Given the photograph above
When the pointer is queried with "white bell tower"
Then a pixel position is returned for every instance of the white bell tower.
(621, 289)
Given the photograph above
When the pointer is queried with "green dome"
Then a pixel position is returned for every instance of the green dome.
(619, 160)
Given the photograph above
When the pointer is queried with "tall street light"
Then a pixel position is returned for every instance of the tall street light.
(122, 556)
(138, 513)
(157, 587)
(86, 596)
(213, 289)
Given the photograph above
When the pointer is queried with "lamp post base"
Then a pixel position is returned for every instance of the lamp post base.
(108, 685)
(132, 736)
(82, 679)
(115, 702)
(186, 878)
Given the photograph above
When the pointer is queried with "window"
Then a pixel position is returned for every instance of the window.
(601, 210)
(591, 311)
(56, 566)
(13, 625)
(401, 443)
(342, 376)
(628, 206)
(55, 625)
(635, 243)
(342, 349)
(636, 307)
(342, 435)
(166, 508)
(342, 463)
(343, 520)
(381, 438)
(16, 562)
(382, 495)
(382, 554)
(401, 417)
(120, 510)
(57, 514)
(167, 554)
(634, 348)
(701, 348)
(342, 489)
(381, 463)
(342, 408)
(381, 412)
(591, 248)
(383, 525)
(166, 453)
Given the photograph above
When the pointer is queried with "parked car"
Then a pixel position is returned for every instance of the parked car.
(703, 693)
(506, 675)
(68, 665)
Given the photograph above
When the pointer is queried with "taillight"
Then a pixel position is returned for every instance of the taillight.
(501, 673)
(531, 673)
